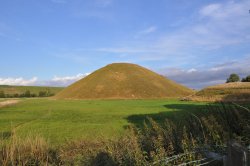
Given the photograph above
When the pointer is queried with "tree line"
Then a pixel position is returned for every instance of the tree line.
(27, 93)
(236, 78)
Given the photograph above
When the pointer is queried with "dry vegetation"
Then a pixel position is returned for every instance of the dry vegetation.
(8, 103)
(238, 91)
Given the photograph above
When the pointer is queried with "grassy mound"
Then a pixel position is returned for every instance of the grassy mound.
(238, 91)
(123, 81)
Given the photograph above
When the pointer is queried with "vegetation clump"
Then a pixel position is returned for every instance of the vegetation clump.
(233, 78)
(247, 79)
(2, 94)
(236, 78)
(27, 91)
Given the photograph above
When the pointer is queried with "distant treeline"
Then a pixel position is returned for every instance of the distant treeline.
(236, 78)
(27, 93)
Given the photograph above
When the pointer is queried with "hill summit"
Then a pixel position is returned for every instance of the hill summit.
(123, 81)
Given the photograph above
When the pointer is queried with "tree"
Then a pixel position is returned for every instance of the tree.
(33, 95)
(233, 78)
(27, 93)
(42, 94)
(16, 95)
(2, 94)
(247, 79)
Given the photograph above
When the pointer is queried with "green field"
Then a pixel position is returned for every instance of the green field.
(8, 89)
(61, 120)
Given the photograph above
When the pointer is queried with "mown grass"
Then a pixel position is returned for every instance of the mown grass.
(60, 120)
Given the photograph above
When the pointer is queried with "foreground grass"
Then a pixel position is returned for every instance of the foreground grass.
(173, 142)
(60, 120)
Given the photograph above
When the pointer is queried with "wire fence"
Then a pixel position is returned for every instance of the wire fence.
(232, 155)
(209, 157)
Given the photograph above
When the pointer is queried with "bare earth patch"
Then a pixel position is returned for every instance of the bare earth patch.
(8, 103)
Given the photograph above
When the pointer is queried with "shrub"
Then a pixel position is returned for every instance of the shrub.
(2, 94)
(27, 93)
(233, 78)
(33, 95)
(16, 95)
(42, 94)
(31, 151)
(247, 79)
(46, 93)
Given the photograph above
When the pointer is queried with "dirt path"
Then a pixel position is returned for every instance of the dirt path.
(8, 103)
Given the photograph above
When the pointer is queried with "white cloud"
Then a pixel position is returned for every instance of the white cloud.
(56, 81)
(146, 31)
(149, 30)
(210, 9)
(194, 77)
(18, 81)
(215, 26)
(226, 10)
(67, 80)
(217, 74)
(209, 31)
(191, 70)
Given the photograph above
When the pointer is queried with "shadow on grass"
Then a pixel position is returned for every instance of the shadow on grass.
(175, 112)
(237, 97)
(5, 135)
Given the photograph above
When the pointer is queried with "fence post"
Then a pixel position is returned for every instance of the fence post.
(237, 155)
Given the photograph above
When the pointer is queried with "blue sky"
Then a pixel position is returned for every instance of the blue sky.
(55, 42)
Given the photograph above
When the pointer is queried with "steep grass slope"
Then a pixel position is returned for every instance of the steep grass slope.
(238, 91)
(123, 81)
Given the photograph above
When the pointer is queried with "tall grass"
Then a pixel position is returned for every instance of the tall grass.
(31, 151)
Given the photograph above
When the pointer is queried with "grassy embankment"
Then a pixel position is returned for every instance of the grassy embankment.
(239, 91)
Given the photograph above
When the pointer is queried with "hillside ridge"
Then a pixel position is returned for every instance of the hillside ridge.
(235, 91)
